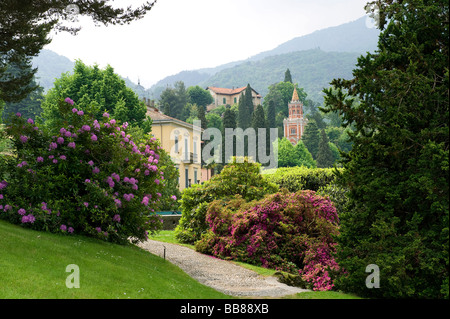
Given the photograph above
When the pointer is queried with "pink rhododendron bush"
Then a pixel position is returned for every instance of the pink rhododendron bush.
(85, 176)
(291, 232)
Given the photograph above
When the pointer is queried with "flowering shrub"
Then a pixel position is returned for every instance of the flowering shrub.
(243, 179)
(291, 232)
(82, 176)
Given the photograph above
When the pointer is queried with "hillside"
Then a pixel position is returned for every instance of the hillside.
(352, 37)
(311, 69)
(50, 66)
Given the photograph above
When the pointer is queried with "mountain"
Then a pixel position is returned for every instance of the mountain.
(50, 66)
(339, 47)
(311, 69)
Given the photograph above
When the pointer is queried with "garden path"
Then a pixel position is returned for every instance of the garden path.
(222, 275)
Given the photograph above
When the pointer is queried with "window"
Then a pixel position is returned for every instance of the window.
(195, 148)
(224, 101)
(292, 130)
(235, 100)
(176, 144)
(195, 176)
(186, 150)
(186, 177)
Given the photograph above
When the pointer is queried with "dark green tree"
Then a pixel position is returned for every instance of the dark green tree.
(173, 101)
(25, 26)
(248, 97)
(199, 96)
(229, 121)
(287, 76)
(202, 117)
(325, 157)
(311, 138)
(397, 171)
(244, 117)
(259, 121)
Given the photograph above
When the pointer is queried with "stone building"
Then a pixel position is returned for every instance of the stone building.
(224, 96)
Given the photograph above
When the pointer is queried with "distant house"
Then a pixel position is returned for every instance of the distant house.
(294, 125)
(182, 141)
(224, 96)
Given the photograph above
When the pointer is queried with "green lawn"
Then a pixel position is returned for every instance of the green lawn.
(33, 265)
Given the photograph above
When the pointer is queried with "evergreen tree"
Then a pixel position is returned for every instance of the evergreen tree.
(244, 116)
(311, 138)
(325, 157)
(271, 116)
(397, 171)
(259, 121)
(202, 117)
(25, 27)
(248, 97)
(229, 121)
(287, 76)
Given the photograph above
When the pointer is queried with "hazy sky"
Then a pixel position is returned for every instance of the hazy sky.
(179, 35)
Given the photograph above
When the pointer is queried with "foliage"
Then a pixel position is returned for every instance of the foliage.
(245, 110)
(89, 177)
(242, 178)
(173, 101)
(397, 171)
(95, 89)
(311, 138)
(287, 231)
(290, 155)
(300, 178)
(25, 26)
(199, 96)
(325, 157)
(287, 76)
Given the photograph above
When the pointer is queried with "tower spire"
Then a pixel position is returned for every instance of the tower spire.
(295, 95)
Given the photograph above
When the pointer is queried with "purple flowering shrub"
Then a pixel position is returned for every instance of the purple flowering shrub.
(82, 176)
(291, 232)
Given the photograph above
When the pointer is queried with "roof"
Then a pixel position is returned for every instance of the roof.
(160, 118)
(225, 91)
(295, 95)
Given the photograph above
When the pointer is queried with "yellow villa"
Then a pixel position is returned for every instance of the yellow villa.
(183, 143)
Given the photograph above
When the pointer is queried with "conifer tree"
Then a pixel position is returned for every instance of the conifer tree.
(229, 121)
(311, 138)
(325, 157)
(397, 171)
(244, 116)
(287, 76)
(259, 121)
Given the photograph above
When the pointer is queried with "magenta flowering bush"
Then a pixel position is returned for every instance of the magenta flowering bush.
(82, 176)
(292, 232)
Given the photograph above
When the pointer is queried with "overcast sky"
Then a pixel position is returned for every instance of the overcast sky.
(179, 35)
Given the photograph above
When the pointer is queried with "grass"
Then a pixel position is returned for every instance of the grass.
(33, 265)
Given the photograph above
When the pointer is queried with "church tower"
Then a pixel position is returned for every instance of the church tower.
(294, 126)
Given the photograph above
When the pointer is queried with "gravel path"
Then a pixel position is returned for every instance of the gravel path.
(221, 275)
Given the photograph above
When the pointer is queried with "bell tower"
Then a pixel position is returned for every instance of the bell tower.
(294, 125)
